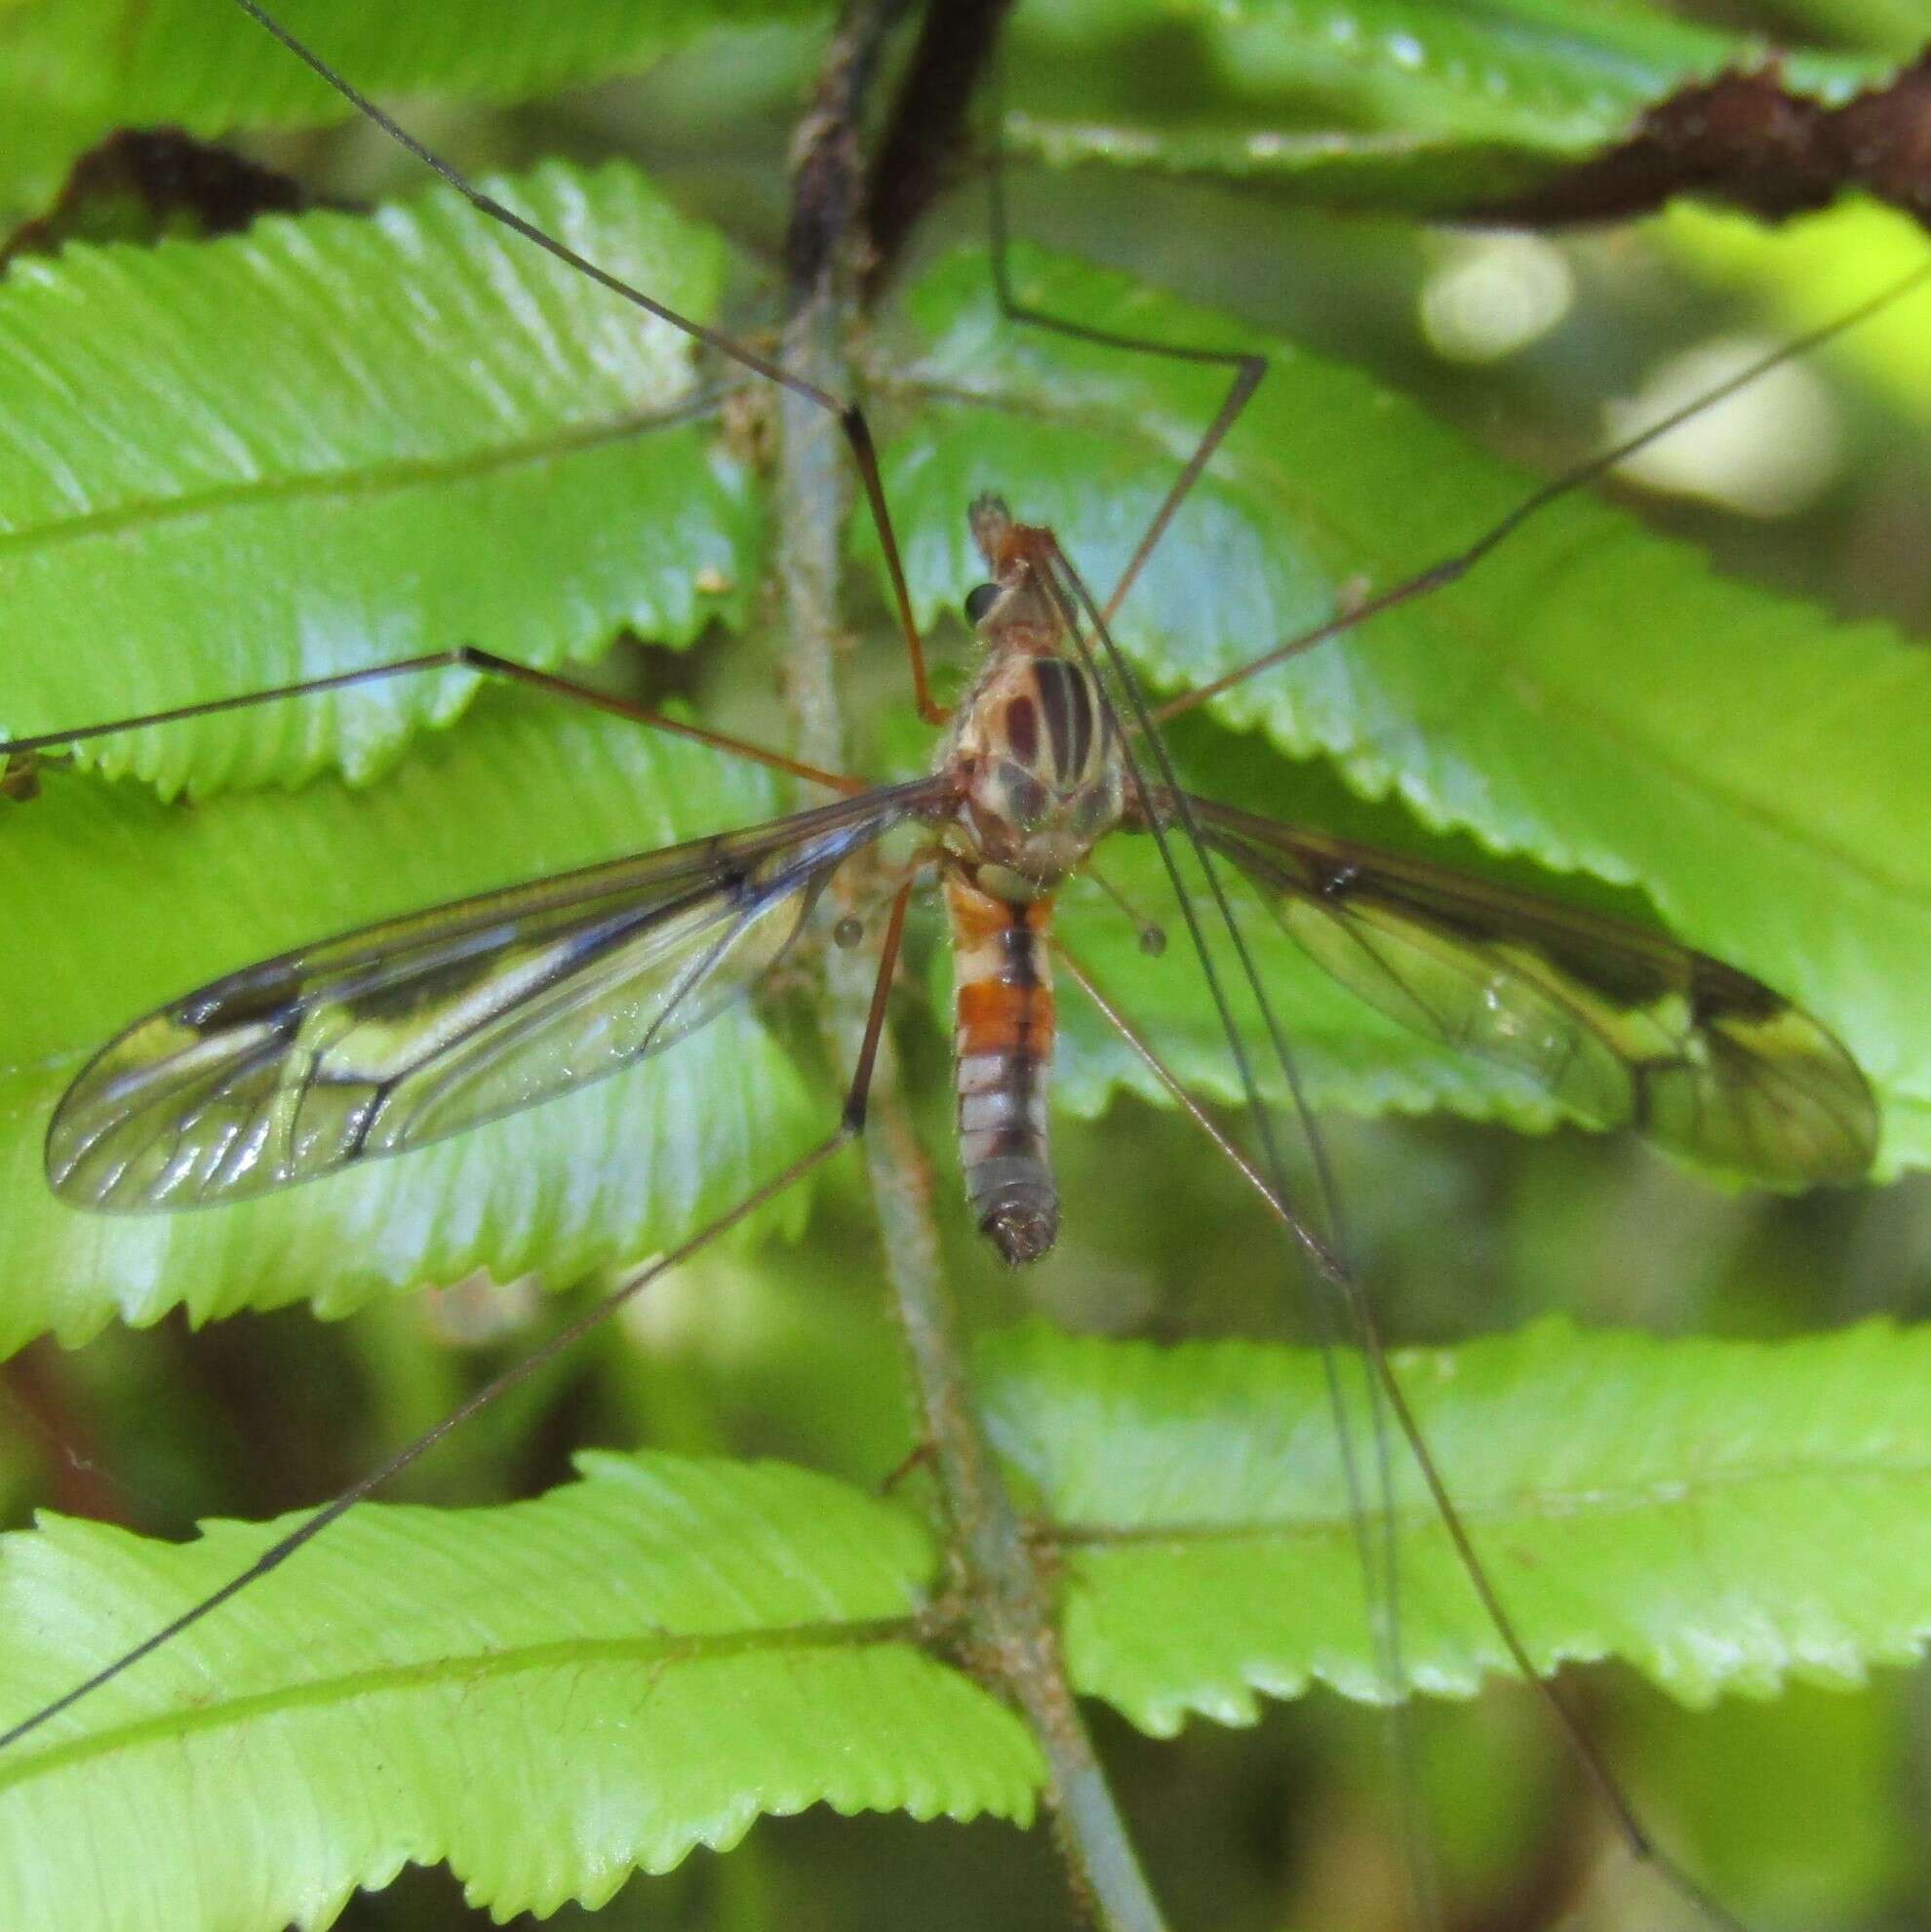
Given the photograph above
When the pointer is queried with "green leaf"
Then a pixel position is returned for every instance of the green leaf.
(72, 70)
(121, 902)
(1382, 103)
(335, 442)
(1723, 1515)
(1494, 706)
(1809, 272)
(1897, 25)
(1404, 104)
(550, 1694)
(137, 929)
(1592, 696)
(545, 1696)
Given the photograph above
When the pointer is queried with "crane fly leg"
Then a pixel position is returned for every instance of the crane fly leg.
(1629, 1823)
(458, 658)
(851, 1121)
(1322, 1256)
(1248, 371)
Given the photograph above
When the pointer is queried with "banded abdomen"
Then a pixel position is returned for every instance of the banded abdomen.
(1004, 1042)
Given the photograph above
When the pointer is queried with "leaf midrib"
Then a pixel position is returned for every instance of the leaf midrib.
(1595, 1503)
(364, 480)
(657, 1649)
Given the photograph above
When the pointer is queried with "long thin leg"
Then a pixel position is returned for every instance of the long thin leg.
(1075, 605)
(1629, 1822)
(1324, 1257)
(851, 1119)
(849, 417)
(1450, 569)
(1249, 367)
(1248, 372)
(459, 657)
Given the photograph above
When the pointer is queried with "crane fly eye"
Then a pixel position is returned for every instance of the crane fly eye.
(979, 601)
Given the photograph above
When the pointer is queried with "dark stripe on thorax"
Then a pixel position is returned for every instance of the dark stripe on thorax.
(1022, 731)
(1053, 681)
(1082, 722)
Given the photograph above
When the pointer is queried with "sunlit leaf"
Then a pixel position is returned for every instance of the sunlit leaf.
(1739, 763)
(71, 70)
(546, 1697)
(550, 1694)
(1724, 1517)
(1369, 103)
(336, 442)
(1496, 706)
(120, 902)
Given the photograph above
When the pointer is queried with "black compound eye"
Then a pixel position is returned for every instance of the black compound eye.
(978, 602)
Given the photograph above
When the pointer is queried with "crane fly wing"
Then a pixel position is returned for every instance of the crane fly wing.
(1623, 1027)
(400, 1033)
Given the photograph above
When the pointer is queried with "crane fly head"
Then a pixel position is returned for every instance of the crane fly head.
(1017, 610)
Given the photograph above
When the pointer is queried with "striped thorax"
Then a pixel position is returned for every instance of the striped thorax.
(1042, 778)
(1033, 745)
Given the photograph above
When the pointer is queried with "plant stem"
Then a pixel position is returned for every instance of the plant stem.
(1010, 1630)
(921, 146)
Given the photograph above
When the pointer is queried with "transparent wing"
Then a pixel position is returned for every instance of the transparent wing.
(1622, 1027)
(401, 1033)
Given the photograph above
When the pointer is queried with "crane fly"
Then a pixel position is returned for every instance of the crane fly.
(403, 1033)
(395, 1036)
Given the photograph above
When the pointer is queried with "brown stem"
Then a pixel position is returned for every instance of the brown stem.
(1751, 138)
(1008, 1610)
(920, 148)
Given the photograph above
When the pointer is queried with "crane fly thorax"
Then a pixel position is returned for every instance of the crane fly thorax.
(1037, 758)
(1040, 777)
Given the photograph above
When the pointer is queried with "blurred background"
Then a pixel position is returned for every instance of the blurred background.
(1805, 1812)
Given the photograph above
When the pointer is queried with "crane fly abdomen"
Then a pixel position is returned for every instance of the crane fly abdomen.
(1004, 1045)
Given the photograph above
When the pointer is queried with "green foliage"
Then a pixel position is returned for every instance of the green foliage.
(122, 900)
(1691, 1509)
(72, 73)
(548, 1694)
(1495, 705)
(1402, 104)
(350, 437)
(1520, 705)
(1367, 102)
(438, 449)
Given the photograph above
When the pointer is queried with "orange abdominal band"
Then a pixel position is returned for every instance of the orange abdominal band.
(1005, 997)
